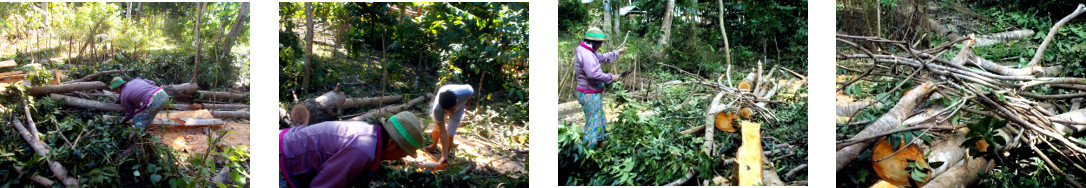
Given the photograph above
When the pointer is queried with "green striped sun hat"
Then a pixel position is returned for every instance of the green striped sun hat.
(595, 34)
(117, 81)
(404, 128)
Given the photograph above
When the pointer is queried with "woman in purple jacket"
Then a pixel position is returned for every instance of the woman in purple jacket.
(344, 153)
(141, 99)
(590, 80)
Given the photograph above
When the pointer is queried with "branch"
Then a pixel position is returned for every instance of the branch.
(1037, 56)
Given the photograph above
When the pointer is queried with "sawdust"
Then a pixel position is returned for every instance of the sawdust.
(191, 141)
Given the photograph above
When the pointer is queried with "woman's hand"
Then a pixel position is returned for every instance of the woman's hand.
(621, 50)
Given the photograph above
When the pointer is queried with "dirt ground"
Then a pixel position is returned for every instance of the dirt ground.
(189, 141)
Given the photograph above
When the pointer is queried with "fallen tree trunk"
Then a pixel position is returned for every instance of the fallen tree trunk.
(241, 114)
(316, 110)
(391, 109)
(210, 106)
(359, 102)
(41, 180)
(65, 88)
(8, 63)
(220, 95)
(43, 151)
(181, 92)
(892, 118)
(87, 104)
(92, 76)
(187, 122)
(965, 174)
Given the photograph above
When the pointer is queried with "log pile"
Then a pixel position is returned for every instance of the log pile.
(327, 106)
(981, 88)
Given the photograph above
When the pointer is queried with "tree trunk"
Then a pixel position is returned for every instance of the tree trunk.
(359, 102)
(198, 106)
(607, 19)
(749, 156)
(187, 122)
(239, 22)
(221, 95)
(128, 11)
(90, 37)
(87, 104)
(239, 114)
(891, 119)
(64, 88)
(665, 27)
(196, 65)
(616, 18)
(181, 92)
(316, 110)
(308, 45)
(724, 33)
(962, 175)
(8, 63)
(42, 150)
(392, 109)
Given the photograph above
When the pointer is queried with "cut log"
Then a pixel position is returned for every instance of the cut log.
(749, 156)
(892, 118)
(42, 150)
(965, 174)
(92, 76)
(87, 104)
(391, 109)
(8, 63)
(316, 110)
(187, 122)
(41, 180)
(359, 102)
(223, 96)
(240, 114)
(6, 75)
(65, 88)
(181, 92)
(211, 106)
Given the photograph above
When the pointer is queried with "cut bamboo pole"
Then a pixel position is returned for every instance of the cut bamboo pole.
(65, 88)
(88, 104)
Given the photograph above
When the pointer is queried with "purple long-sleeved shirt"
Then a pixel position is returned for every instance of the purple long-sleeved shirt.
(338, 151)
(135, 95)
(590, 78)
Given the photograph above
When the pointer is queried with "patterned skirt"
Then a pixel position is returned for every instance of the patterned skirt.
(145, 116)
(595, 121)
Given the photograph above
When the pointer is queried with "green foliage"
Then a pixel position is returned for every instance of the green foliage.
(572, 16)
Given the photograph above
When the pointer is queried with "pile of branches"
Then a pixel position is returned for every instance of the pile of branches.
(749, 97)
(984, 88)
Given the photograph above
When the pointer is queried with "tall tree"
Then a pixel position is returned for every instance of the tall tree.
(308, 45)
(666, 26)
(607, 18)
(724, 33)
(235, 30)
(199, 16)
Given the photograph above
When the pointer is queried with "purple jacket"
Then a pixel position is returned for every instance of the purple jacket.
(135, 95)
(338, 151)
(590, 78)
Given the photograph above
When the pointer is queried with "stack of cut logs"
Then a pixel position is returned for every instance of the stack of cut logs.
(186, 97)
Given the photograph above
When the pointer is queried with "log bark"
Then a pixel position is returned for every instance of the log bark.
(87, 104)
(41, 180)
(210, 106)
(359, 102)
(392, 109)
(316, 110)
(240, 114)
(182, 92)
(92, 76)
(221, 95)
(887, 122)
(65, 88)
(187, 122)
(42, 150)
